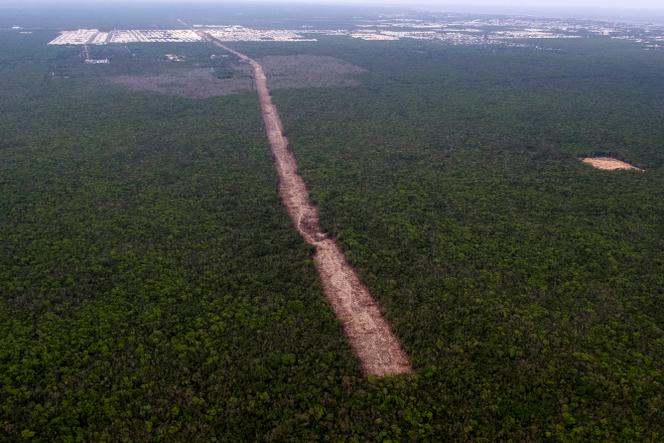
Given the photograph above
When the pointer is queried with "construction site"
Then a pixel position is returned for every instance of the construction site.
(221, 33)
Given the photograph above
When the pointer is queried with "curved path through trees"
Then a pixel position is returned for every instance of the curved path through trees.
(369, 334)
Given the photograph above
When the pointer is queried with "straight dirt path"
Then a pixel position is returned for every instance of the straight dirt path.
(369, 334)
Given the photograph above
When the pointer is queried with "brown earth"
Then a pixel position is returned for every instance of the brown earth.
(609, 164)
(371, 338)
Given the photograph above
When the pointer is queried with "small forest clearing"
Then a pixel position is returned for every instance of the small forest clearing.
(609, 164)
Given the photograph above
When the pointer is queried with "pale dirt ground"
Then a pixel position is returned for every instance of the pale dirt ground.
(371, 338)
(291, 71)
(609, 164)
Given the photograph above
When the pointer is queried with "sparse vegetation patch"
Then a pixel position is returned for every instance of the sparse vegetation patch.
(192, 83)
(309, 71)
(291, 71)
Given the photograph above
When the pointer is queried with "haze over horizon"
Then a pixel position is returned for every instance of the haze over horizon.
(510, 4)
(638, 11)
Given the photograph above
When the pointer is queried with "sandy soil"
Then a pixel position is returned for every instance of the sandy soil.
(609, 164)
(378, 349)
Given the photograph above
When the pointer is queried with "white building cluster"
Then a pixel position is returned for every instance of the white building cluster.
(242, 34)
(155, 36)
(223, 33)
(468, 30)
(100, 39)
(78, 37)
(455, 30)
(372, 35)
(95, 37)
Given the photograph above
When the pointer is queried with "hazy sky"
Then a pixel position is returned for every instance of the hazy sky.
(512, 4)
(457, 4)
(585, 4)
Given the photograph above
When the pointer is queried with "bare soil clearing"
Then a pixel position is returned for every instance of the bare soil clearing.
(378, 349)
(609, 164)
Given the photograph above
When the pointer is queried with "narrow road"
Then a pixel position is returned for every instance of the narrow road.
(371, 338)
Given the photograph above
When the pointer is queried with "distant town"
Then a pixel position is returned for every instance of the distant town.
(507, 31)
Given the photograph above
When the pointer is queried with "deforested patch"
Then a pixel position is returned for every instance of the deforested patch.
(309, 71)
(193, 83)
(370, 335)
(609, 164)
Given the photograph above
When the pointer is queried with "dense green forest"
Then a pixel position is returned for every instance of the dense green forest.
(153, 288)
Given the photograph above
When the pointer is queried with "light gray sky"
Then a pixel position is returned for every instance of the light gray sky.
(583, 4)
(512, 4)
(457, 4)
(529, 4)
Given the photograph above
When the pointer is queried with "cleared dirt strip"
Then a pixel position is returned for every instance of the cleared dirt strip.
(370, 336)
(610, 164)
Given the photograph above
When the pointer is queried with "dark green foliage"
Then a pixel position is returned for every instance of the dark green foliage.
(151, 283)
(527, 286)
(152, 287)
